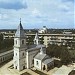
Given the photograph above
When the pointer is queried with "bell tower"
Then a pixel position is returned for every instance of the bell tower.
(36, 39)
(20, 48)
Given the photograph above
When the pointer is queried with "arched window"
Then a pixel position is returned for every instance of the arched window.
(1, 59)
(22, 41)
(16, 41)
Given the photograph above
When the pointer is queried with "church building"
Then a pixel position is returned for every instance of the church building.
(28, 56)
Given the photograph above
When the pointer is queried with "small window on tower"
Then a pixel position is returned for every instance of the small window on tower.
(23, 54)
(22, 41)
(16, 54)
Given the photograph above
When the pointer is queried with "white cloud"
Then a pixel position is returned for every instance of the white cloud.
(64, 7)
(0, 16)
(36, 13)
(3, 16)
(40, 12)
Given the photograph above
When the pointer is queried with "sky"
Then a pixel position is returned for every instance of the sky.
(37, 13)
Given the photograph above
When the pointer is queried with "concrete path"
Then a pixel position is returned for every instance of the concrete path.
(5, 70)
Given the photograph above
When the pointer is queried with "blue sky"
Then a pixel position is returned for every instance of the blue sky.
(37, 13)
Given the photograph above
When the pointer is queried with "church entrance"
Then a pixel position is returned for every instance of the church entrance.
(16, 67)
(44, 67)
(23, 67)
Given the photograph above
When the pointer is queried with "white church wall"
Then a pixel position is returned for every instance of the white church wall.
(22, 63)
(37, 64)
(16, 63)
(17, 42)
(27, 60)
(22, 54)
(19, 58)
(30, 58)
(19, 48)
(16, 53)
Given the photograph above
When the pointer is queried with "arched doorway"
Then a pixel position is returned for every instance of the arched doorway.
(23, 67)
(16, 67)
(44, 67)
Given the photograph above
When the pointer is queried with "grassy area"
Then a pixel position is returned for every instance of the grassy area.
(39, 72)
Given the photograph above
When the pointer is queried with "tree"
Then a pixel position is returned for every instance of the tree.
(65, 56)
(1, 39)
(59, 51)
(53, 50)
(5, 44)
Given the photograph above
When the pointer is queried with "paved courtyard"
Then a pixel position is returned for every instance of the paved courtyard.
(7, 69)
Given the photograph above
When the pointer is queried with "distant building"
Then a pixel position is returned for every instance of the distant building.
(43, 30)
(5, 56)
(64, 70)
(68, 33)
(27, 56)
(48, 38)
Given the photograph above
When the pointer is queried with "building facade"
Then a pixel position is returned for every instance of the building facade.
(24, 55)
(19, 48)
(59, 39)
(5, 56)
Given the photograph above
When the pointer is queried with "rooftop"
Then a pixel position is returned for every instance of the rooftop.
(4, 53)
(33, 47)
(47, 61)
(40, 56)
(20, 31)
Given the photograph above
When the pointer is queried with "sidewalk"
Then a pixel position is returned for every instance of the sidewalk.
(5, 70)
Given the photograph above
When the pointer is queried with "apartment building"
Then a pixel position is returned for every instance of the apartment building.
(5, 56)
(48, 38)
